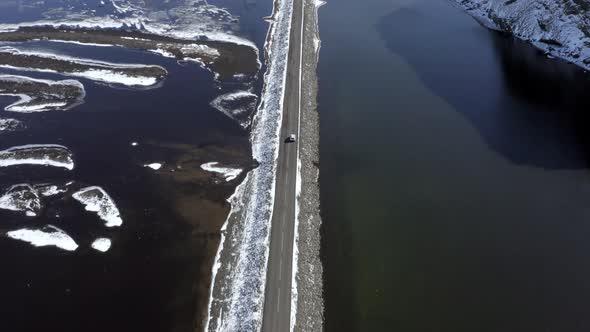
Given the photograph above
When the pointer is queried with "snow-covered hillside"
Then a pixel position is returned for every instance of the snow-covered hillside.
(559, 27)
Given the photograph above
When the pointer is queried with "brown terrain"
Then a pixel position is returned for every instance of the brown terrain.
(232, 59)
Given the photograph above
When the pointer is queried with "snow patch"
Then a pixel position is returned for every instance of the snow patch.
(22, 198)
(295, 262)
(200, 49)
(101, 244)
(238, 106)
(163, 53)
(43, 101)
(190, 19)
(228, 173)
(154, 166)
(80, 43)
(106, 72)
(96, 199)
(47, 190)
(113, 77)
(37, 154)
(24, 105)
(10, 125)
(47, 236)
(560, 28)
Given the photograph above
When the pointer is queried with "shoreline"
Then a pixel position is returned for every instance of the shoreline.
(545, 34)
(237, 291)
(223, 58)
(308, 274)
(238, 285)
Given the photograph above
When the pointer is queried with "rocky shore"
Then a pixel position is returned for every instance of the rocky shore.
(561, 28)
(310, 304)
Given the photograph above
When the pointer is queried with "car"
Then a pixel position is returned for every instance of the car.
(291, 138)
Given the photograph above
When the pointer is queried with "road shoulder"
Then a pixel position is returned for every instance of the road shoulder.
(309, 278)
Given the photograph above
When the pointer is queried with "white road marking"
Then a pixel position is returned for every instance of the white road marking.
(300, 71)
(297, 175)
(279, 299)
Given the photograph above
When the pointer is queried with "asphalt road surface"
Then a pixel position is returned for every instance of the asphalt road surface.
(277, 304)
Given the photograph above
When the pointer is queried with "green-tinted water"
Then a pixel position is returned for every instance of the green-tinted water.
(454, 197)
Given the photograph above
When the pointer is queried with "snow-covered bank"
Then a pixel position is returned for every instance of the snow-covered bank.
(560, 28)
(228, 173)
(23, 198)
(236, 204)
(101, 71)
(36, 95)
(295, 260)
(238, 106)
(167, 25)
(238, 294)
(10, 125)
(26, 104)
(196, 21)
(37, 154)
(48, 190)
(224, 60)
(28, 198)
(96, 199)
(47, 236)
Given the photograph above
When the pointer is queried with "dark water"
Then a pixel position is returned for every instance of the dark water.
(153, 276)
(454, 175)
(147, 279)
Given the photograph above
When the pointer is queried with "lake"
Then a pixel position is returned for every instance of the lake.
(454, 174)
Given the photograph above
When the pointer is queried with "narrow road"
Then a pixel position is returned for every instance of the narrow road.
(277, 304)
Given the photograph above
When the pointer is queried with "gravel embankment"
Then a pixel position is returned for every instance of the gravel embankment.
(310, 304)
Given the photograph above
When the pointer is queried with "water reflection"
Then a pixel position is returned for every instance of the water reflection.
(528, 108)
